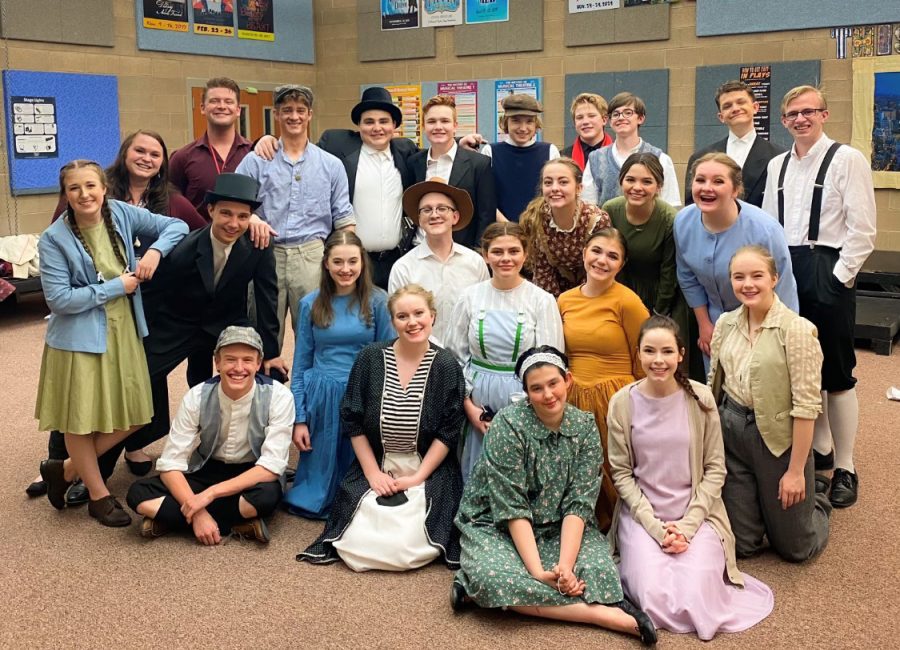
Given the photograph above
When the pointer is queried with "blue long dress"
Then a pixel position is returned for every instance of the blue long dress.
(322, 361)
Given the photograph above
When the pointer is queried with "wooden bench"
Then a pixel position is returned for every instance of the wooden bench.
(878, 300)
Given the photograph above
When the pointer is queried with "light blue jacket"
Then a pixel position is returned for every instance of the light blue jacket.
(74, 294)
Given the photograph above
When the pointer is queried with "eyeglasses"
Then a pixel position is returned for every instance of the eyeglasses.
(807, 113)
(625, 112)
(442, 210)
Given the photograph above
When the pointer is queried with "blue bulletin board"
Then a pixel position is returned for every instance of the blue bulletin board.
(81, 110)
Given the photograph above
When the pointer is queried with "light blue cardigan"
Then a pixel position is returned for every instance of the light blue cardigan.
(75, 296)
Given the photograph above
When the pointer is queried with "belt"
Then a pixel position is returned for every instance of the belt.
(297, 243)
(496, 367)
(812, 246)
(739, 409)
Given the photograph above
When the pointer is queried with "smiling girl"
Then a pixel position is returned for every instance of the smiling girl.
(601, 320)
(491, 325)
(670, 527)
(336, 321)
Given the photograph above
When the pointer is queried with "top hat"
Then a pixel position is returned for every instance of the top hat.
(235, 187)
(521, 104)
(376, 98)
(460, 197)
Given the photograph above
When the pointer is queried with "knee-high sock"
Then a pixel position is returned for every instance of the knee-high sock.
(843, 416)
(822, 431)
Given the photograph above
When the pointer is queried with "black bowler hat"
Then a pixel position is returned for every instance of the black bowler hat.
(376, 98)
(235, 187)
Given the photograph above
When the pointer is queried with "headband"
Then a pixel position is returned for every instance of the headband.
(542, 357)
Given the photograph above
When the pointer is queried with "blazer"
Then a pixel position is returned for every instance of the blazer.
(75, 294)
(471, 172)
(346, 145)
(754, 170)
(183, 299)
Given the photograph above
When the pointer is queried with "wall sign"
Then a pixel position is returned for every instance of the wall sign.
(34, 126)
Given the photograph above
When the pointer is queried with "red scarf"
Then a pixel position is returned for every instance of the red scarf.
(578, 152)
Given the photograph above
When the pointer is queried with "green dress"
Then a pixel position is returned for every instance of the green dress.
(84, 392)
(528, 471)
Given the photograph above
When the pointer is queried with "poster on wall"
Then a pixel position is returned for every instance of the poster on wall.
(465, 93)
(863, 41)
(577, 6)
(214, 17)
(487, 11)
(504, 87)
(883, 46)
(256, 20)
(759, 78)
(170, 15)
(34, 127)
(409, 100)
(441, 13)
(399, 14)
(885, 149)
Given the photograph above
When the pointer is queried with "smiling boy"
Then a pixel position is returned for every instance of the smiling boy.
(590, 113)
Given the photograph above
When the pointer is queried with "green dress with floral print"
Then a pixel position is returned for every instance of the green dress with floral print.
(527, 471)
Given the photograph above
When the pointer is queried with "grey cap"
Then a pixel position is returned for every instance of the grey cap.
(283, 92)
(233, 335)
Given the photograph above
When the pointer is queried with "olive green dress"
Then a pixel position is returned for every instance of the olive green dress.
(528, 471)
(84, 392)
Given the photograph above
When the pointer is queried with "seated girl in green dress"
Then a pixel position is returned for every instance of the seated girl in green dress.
(528, 533)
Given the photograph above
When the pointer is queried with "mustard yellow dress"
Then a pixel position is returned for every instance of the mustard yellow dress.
(601, 343)
(84, 392)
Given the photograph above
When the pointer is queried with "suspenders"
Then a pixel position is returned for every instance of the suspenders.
(815, 211)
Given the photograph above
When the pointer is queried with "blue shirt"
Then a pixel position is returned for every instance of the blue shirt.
(702, 258)
(302, 200)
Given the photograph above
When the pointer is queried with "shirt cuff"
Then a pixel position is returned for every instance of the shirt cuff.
(163, 465)
(277, 467)
(343, 222)
(843, 274)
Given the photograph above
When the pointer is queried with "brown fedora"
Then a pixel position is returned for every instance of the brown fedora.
(461, 198)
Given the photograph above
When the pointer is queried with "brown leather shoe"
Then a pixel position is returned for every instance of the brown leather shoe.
(252, 529)
(151, 528)
(108, 512)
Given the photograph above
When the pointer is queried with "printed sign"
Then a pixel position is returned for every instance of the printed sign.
(409, 100)
(440, 13)
(256, 20)
(759, 78)
(487, 11)
(466, 95)
(34, 127)
(214, 17)
(504, 87)
(577, 6)
(166, 14)
(399, 14)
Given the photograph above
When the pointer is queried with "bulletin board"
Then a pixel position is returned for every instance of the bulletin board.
(652, 86)
(785, 75)
(285, 32)
(55, 117)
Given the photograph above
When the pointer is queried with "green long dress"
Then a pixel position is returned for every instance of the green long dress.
(528, 471)
(84, 392)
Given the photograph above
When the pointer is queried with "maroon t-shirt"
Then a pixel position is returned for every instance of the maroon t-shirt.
(193, 168)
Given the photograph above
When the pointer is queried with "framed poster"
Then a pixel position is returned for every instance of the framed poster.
(876, 92)
(487, 11)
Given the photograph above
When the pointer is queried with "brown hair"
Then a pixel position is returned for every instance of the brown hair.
(794, 93)
(415, 290)
(222, 82)
(762, 252)
(648, 160)
(734, 171)
(628, 99)
(156, 196)
(531, 217)
(609, 233)
(733, 86)
(590, 98)
(504, 121)
(322, 312)
(440, 100)
(503, 229)
(104, 210)
(659, 322)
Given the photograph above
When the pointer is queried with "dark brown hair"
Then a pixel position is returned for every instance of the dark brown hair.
(609, 233)
(222, 82)
(503, 229)
(156, 196)
(623, 100)
(648, 160)
(322, 312)
(659, 322)
(733, 86)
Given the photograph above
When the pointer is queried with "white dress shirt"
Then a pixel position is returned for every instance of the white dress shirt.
(440, 167)
(446, 280)
(848, 203)
(233, 445)
(739, 148)
(669, 193)
(378, 200)
(220, 256)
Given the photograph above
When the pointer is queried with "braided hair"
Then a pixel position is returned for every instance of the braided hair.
(105, 211)
(658, 321)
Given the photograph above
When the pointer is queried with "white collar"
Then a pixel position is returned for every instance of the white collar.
(386, 152)
(750, 138)
(451, 153)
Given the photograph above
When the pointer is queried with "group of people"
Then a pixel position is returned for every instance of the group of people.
(501, 361)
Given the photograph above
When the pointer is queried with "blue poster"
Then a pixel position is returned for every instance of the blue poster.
(399, 14)
(487, 11)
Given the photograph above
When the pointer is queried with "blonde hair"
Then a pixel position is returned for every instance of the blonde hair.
(760, 251)
(795, 92)
(734, 171)
(593, 99)
(412, 290)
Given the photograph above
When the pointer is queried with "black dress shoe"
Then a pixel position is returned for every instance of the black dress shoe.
(54, 476)
(646, 629)
(78, 494)
(36, 488)
(139, 467)
(459, 599)
(844, 488)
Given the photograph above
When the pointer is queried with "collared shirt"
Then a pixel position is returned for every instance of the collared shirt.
(446, 280)
(193, 169)
(378, 200)
(802, 353)
(848, 203)
(669, 192)
(233, 445)
(441, 166)
(738, 148)
(220, 255)
(303, 200)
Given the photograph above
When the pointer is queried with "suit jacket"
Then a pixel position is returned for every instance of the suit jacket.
(471, 172)
(346, 145)
(184, 299)
(754, 170)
